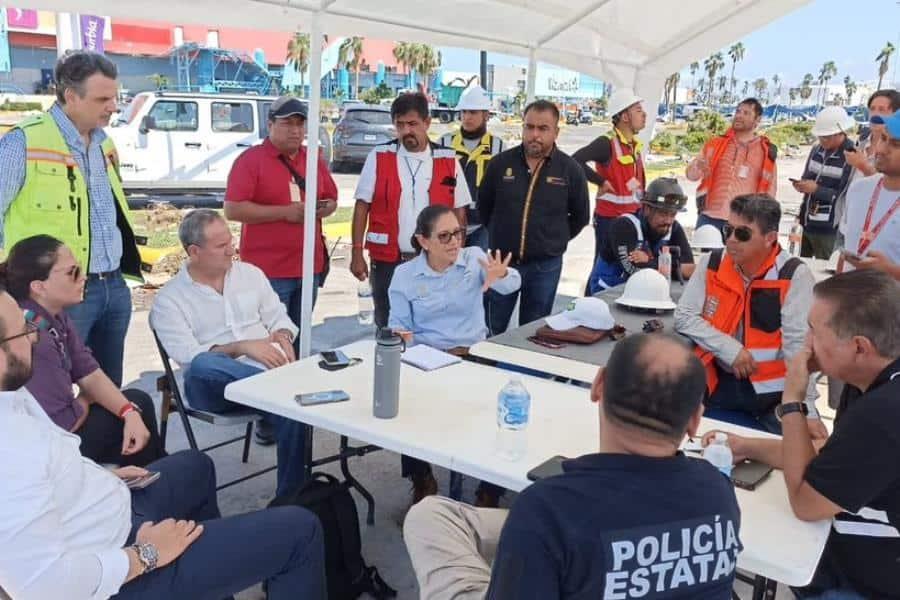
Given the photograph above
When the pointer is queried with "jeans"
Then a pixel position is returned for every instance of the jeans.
(101, 321)
(735, 401)
(540, 279)
(703, 219)
(479, 238)
(289, 290)
(282, 546)
(380, 275)
(204, 386)
(101, 434)
(829, 582)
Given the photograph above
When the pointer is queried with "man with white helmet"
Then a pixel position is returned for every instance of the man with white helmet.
(745, 309)
(824, 181)
(618, 164)
(474, 148)
(635, 242)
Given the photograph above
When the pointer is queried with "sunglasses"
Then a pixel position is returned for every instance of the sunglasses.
(741, 234)
(31, 328)
(444, 237)
(74, 272)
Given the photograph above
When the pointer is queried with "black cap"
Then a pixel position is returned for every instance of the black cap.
(665, 193)
(287, 106)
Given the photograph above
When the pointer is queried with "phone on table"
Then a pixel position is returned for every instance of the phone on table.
(549, 468)
(749, 474)
(141, 481)
(315, 398)
(334, 358)
(546, 343)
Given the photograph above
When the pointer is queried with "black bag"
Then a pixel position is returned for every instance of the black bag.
(301, 183)
(347, 574)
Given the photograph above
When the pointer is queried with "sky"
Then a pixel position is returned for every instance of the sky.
(849, 32)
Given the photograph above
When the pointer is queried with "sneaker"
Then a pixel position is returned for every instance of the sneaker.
(424, 486)
(264, 433)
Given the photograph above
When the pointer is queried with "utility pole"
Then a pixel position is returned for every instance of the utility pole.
(483, 72)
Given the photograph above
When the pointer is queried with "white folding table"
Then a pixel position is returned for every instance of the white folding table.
(448, 417)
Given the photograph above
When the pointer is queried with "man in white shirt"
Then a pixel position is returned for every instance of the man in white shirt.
(71, 529)
(873, 206)
(222, 321)
(398, 180)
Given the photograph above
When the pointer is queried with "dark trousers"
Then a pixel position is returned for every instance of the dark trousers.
(101, 434)
(735, 401)
(818, 244)
(601, 231)
(540, 279)
(101, 320)
(290, 291)
(703, 219)
(479, 238)
(282, 546)
(380, 275)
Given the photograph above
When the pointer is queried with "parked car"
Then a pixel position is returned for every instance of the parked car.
(359, 130)
(186, 142)
(586, 117)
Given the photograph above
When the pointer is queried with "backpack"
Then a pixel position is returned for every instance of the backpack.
(346, 572)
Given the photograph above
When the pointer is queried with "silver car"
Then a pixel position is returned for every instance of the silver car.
(359, 130)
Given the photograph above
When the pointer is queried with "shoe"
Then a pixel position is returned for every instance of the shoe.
(424, 486)
(264, 433)
(486, 499)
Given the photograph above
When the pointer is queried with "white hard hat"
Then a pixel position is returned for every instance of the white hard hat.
(620, 100)
(588, 312)
(831, 267)
(474, 98)
(707, 236)
(832, 120)
(647, 288)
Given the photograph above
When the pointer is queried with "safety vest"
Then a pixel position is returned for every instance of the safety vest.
(54, 200)
(718, 145)
(610, 274)
(384, 219)
(730, 303)
(625, 164)
(473, 164)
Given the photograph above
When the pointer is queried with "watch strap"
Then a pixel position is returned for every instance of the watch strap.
(791, 407)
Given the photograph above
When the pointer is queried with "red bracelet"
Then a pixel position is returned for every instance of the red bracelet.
(126, 409)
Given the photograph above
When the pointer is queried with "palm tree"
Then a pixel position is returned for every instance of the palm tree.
(792, 95)
(736, 53)
(883, 59)
(698, 92)
(776, 86)
(712, 65)
(671, 89)
(827, 71)
(760, 86)
(806, 87)
(695, 66)
(405, 53)
(849, 87)
(298, 55)
(723, 84)
(746, 87)
(350, 56)
(427, 62)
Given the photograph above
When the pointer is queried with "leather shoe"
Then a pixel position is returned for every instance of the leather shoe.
(424, 486)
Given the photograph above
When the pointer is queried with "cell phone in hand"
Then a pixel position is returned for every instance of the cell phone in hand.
(141, 481)
(792, 180)
(851, 255)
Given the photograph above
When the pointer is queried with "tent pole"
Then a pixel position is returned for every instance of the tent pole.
(312, 183)
(532, 77)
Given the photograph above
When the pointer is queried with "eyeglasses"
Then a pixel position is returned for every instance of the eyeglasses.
(741, 234)
(30, 328)
(444, 237)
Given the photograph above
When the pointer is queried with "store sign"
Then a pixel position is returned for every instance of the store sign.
(22, 18)
(558, 83)
(92, 33)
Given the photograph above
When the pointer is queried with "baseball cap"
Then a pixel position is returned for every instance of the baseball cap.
(287, 106)
(891, 123)
(587, 312)
(665, 193)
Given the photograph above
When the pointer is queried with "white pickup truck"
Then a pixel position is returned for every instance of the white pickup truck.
(176, 142)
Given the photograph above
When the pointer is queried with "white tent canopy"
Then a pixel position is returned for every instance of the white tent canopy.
(630, 43)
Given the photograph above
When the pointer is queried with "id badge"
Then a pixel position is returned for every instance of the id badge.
(295, 192)
(743, 172)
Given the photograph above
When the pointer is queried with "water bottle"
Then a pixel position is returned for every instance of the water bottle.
(718, 453)
(513, 408)
(366, 314)
(386, 392)
(795, 238)
(664, 263)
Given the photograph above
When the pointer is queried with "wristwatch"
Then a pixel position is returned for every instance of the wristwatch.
(148, 555)
(791, 407)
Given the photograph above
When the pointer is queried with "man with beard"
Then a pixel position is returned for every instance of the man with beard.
(474, 147)
(398, 180)
(533, 200)
(635, 242)
(736, 163)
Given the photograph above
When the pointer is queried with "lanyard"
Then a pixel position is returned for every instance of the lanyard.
(868, 236)
(412, 175)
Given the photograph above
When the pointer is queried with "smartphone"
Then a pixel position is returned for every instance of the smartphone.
(792, 180)
(334, 358)
(851, 255)
(329, 397)
(549, 468)
(546, 343)
(749, 474)
(139, 483)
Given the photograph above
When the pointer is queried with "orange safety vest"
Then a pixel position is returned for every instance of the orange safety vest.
(730, 303)
(719, 144)
(625, 163)
(384, 219)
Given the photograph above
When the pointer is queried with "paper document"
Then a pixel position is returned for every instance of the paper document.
(428, 358)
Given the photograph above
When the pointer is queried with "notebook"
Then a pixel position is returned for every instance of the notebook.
(428, 358)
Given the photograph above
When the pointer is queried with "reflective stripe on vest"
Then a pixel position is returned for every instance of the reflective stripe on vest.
(606, 274)
(621, 200)
(730, 302)
(384, 220)
(487, 148)
(720, 144)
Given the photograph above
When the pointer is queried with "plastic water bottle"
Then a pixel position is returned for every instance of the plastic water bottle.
(718, 453)
(795, 238)
(513, 408)
(366, 314)
(664, 263)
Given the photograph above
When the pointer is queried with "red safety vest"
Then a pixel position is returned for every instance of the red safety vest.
(384, 220)
(730, 302)
(719, 144)
(625, 163)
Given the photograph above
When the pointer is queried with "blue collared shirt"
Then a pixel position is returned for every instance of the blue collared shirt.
(444, 310)
(106, 239)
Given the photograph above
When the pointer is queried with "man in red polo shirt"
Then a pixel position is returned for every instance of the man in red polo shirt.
(266, 193)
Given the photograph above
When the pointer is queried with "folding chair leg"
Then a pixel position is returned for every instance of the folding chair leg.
(350, 480)
(247, 437)
(165, 408)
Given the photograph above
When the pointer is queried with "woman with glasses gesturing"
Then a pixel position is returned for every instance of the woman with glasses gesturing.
(115, 427)
(436, 299)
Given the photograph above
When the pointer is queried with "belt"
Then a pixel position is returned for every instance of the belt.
(105, 274)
